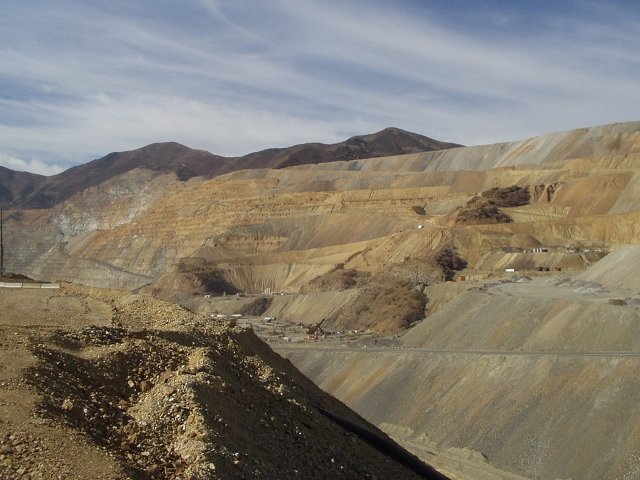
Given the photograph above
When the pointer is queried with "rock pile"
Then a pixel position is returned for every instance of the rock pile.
(168, 394)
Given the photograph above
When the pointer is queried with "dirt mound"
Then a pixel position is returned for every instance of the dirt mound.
(162, 393)
(385, 304)
(486, 208)
(338, 279)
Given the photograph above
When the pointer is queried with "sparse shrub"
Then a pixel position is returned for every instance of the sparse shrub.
(450, 262)
(348, 279)
(617, 301)
(385, 304)
(513, 196)
(337, 279)
(17, 216)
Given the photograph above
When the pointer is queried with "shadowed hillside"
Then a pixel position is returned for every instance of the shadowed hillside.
(15, 186)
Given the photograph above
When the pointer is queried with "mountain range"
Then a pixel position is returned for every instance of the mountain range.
(28, 190)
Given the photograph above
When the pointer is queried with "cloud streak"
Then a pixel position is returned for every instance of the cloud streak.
(32, 165)
(81, 79)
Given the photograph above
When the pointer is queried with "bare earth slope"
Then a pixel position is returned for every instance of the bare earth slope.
(105, 384)
(619, 269)
(538, 376)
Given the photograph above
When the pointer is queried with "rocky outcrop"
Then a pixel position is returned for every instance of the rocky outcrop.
(544, 193)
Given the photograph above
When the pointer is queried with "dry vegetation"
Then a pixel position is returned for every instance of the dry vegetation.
(513, 196)
(338, 279)
(386, 304)
(449, 262)
(486, 208)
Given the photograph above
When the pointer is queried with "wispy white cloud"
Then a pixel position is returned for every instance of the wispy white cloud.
(32, 165)
(80, 79)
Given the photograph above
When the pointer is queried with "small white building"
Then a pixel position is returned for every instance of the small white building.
(539, 250)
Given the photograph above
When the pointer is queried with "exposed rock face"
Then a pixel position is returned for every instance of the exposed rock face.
(544, 193)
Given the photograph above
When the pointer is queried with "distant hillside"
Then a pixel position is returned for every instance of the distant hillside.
(390, 141)
(25, 190)
(15, 186)
(159, 157)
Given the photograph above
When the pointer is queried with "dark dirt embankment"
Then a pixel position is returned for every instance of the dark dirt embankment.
(487, 208)
(16, 277)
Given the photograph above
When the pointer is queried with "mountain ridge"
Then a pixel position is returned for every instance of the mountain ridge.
(186, 163)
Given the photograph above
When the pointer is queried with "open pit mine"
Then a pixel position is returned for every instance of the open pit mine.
(478, 305)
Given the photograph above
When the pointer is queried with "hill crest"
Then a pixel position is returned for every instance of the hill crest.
(23, 190)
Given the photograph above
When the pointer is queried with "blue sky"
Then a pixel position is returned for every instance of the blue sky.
(80, 79)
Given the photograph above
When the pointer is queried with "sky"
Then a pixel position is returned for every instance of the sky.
(81, 79)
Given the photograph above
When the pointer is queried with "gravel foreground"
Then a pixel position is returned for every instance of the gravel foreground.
(110, 385)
